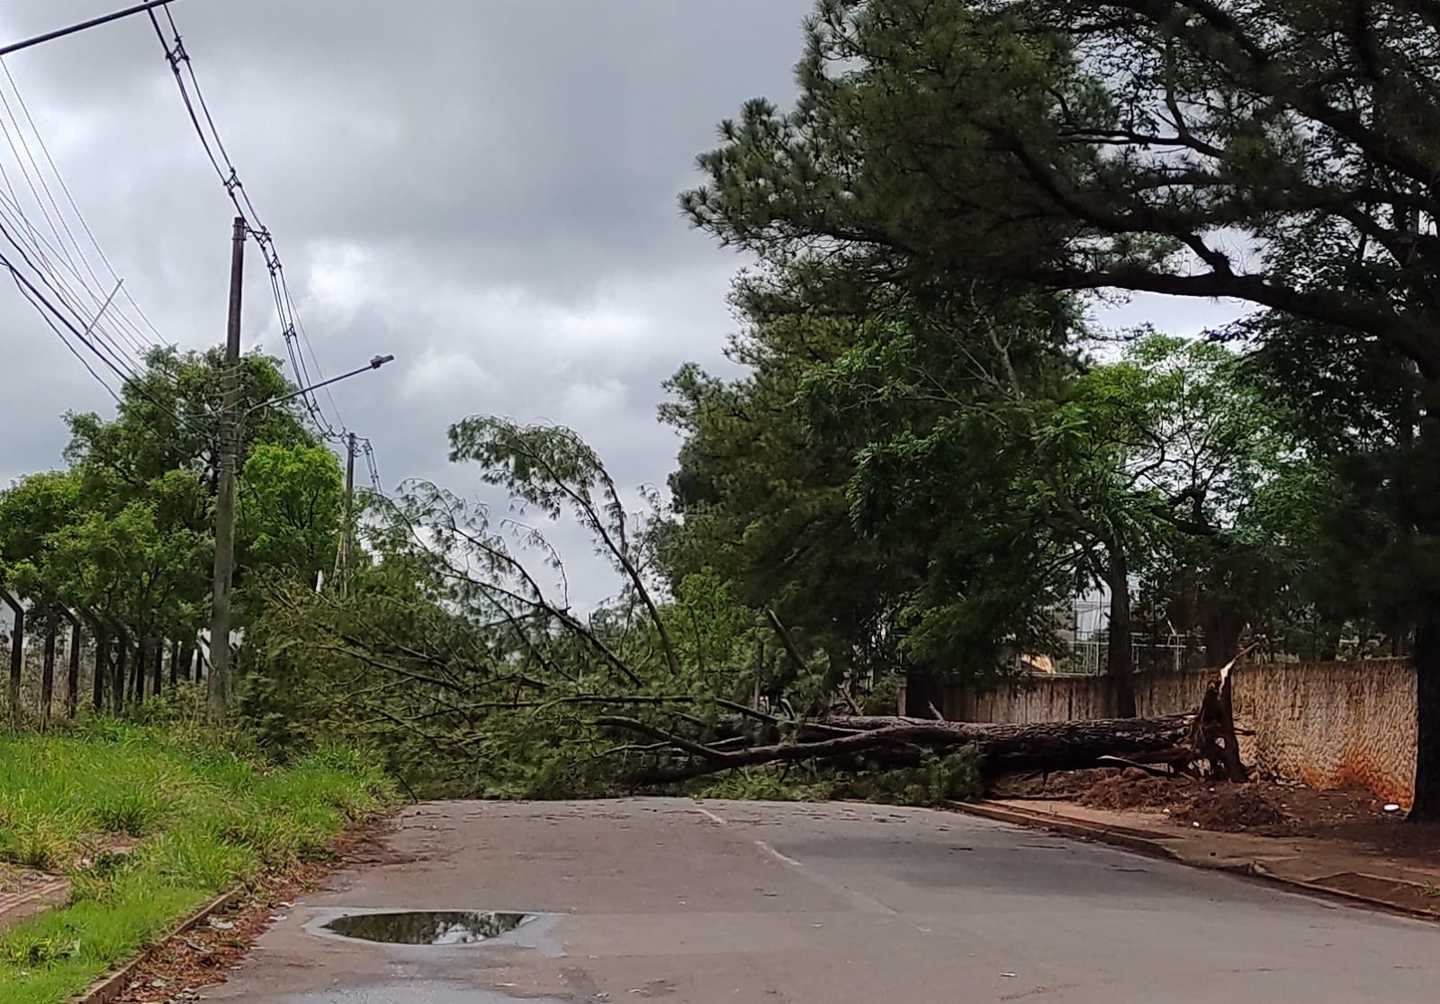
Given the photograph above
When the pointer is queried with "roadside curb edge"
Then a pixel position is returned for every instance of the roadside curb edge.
(1156, 848)
(107, 988)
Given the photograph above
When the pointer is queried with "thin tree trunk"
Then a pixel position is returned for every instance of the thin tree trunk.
(102, 664)
(1120, 659)
(72, 673)
(174, 664)
(47, 670)
(159, 665)
(137, 677)
(122, 658)
(1426, 807)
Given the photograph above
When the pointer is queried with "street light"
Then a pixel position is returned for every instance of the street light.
(225, 524)
(375, 363)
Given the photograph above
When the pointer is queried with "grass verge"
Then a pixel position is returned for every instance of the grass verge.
(205, 817)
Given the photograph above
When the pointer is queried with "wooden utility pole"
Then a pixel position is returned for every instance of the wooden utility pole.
(346, 537)
(219, 685)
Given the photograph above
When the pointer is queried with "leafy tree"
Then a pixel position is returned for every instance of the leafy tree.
(290, 510)
(763, 504)
(124, 535)
(1276, 152)
(30, 511)
(167, 420)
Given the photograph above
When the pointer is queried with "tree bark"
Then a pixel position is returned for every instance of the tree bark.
(102, 664)
(1222, 628)
(47, 671)
(159, 665)
(1120, 659)
(1045, 746)
(142, 663)
(857, 741)
(72, 673)
(1426, 807)
(122, 657)
(924, 690)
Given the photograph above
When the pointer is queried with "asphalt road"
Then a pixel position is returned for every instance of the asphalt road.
(753, 902)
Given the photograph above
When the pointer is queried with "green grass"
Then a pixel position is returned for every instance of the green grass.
(206, 818)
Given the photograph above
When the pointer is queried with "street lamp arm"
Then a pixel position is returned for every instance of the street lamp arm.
(374, 364)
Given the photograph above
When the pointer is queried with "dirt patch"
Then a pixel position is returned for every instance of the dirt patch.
(1233, 808)
(177, 969)
(1229, 807)
(1065, 785)
(1265, 807)
(1134, 789)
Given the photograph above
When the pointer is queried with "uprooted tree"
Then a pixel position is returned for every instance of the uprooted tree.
(467, 665)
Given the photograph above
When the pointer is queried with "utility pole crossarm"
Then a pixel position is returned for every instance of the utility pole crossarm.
(94, 22)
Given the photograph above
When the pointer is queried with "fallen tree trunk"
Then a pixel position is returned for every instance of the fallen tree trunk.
(1004, 748)
(1208, 734)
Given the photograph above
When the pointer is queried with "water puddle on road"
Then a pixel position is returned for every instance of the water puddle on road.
(427, 927)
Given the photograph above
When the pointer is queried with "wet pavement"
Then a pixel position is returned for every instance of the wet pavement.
(686, 901)
(427, 927)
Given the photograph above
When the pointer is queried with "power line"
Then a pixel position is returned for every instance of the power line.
(114, 359)
(128, 379)
(50, 260)
(38, 298)
(53, 279)
(291, 329)
(74, 206)
(369, 450)
(61, 335)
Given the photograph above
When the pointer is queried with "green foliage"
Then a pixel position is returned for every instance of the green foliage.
(936, 780)
(125, 534)
(1162, 148)
(290, 508)
(208, 817)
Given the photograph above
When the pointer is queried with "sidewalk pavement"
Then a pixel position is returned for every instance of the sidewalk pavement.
(25, 892)
(1328, 867)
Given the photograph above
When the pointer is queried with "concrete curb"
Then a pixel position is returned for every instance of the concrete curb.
(107, 988)
(1157, 848)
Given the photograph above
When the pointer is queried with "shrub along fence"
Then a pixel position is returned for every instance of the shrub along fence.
(1328, 724)
(60, 661)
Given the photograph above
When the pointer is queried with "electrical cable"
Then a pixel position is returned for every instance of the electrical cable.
(61, 335)
(214, 146)
(79, 216)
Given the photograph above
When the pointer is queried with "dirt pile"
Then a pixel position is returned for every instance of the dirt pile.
(1135, 789)
(1231, 807)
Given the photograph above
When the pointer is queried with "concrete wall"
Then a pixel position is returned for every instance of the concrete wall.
(1326, 724)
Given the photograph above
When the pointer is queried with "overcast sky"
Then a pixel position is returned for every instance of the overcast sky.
(485, 188)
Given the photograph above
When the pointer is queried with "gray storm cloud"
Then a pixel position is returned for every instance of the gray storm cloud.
(485, 189)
